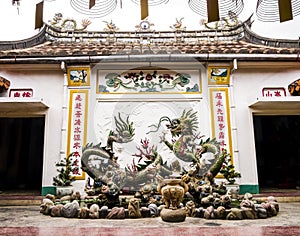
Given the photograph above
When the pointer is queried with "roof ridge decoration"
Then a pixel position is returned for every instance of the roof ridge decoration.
(110, 26)
(178, 26)
(225, 30)
(68, 23)
(224, 23)
(144, 26)
(52, 45)
(144, 36)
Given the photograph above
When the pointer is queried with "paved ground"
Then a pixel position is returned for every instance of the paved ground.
(26, 220)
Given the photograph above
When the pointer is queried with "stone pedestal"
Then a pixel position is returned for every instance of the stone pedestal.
(170, 215)
(64, 190)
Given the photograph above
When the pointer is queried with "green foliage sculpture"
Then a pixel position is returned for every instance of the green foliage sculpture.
(65, 168)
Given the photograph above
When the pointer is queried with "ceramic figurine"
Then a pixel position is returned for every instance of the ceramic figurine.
(94, 211)
(134, 208)
(173, 191)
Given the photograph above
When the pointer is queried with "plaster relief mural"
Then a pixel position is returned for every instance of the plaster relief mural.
(148, 81)
(142, 143)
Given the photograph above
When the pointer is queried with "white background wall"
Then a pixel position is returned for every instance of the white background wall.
(20, 25)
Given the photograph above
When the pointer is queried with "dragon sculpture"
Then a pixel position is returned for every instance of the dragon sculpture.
(203, 157)
(223, 24)
(189, 146)
(110, 171)
(68, 24)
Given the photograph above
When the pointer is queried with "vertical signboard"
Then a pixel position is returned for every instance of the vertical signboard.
(221, 129)
(77, 129)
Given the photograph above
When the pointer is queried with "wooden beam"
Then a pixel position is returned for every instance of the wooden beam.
(285, 10)
(212, 10)
(39, 15)
(92, 3)
(144, 9)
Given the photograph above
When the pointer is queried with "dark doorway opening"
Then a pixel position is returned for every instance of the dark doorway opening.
(21, 148)
(277, 140)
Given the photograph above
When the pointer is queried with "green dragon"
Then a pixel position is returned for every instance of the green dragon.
(189, 146)
(101, 164)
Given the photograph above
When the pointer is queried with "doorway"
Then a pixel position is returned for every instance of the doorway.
(277, 141)
(21, 148)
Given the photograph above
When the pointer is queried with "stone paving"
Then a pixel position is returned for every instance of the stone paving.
(27, 220)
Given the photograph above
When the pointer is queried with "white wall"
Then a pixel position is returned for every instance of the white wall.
(48, 85)
(247, 88)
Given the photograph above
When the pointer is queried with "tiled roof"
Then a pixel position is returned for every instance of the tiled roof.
(239, 41)
(123, 48)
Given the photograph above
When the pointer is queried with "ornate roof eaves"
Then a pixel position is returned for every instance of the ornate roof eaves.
(37, 39)
(204, 57)
(254, 38)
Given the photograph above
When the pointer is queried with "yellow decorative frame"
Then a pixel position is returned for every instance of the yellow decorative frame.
(228, 122)
(82, 72)
(72, 92)
(216, 79)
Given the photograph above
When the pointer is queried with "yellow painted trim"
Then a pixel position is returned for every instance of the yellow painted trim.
(86, 92)
(200, 82)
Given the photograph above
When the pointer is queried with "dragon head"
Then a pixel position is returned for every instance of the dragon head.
(186, 124)
(175, 127)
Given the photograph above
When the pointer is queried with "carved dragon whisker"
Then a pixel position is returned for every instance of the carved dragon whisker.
(164, 118)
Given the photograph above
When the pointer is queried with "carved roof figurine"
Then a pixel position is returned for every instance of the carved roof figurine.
(110, 26)
(224, 23)
(178, 25)
(144, 26)
(68, 24)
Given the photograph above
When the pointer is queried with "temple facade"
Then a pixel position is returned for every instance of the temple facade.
(66, 88)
